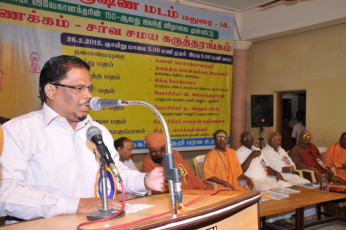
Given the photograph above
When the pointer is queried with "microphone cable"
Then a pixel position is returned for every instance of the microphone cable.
(149, 217)
(110, 217)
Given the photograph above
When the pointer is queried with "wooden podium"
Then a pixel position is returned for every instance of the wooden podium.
(223, 210)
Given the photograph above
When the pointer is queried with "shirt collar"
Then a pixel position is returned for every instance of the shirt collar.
(50, 115)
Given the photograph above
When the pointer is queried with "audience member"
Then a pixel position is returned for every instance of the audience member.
(254, 165)
(287, 141)
(278, 159)
(156, 142)
(48, 167)
(222, 166)
(300, 126)
(336, 157)
(124, 146)
(307, 156)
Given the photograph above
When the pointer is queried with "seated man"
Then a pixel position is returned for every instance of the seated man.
(222, 166)
(277, 158)
(124, 146)
(305, 155)
(336, 157)
(254, 165)
(156, 143)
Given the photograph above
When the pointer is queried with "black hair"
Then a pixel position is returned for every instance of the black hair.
(55, 69)
(119, 142)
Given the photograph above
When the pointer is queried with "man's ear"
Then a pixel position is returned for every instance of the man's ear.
(50, 91)
(118, 149)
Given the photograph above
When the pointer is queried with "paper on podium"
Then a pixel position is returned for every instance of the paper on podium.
(136, 207)
(285, 190)
(273, 195)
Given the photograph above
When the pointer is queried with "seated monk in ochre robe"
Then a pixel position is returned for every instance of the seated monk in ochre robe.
(306, 155)
(156, 143)
(221, 165)
(336, 157)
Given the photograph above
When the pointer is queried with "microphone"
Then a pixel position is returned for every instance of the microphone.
(97, 103)
(94, 135)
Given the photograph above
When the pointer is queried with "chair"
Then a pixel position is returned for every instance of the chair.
(198, 162)
(307, 174)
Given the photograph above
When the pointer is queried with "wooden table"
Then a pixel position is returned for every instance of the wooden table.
(226, 208)
(298, 201)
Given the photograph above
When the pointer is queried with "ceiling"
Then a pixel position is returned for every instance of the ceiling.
(281, 18)
(235, 5)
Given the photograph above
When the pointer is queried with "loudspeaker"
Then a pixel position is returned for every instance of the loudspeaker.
(261, 110)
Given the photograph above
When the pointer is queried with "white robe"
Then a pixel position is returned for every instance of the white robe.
(276, 161)
(256, 170)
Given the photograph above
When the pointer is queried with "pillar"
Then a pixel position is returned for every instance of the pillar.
(238, 108)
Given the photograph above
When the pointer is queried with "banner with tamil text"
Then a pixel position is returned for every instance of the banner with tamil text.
(174, 57)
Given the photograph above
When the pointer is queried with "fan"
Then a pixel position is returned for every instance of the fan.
(275, 1)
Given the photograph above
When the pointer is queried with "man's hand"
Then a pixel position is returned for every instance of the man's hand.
(255, 153)
(288, 169)
(336, 179)
(155, 179)
(228, 185)
(249, 183)
(219, 181)
(87, 205)
(279, 176)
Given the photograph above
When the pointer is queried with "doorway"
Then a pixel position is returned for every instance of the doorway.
(288, 103)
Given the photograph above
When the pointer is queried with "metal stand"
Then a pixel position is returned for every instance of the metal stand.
(104, 212)
(260, 139)
(172, 174)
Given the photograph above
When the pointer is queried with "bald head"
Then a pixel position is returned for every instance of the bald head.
(305, 137)
(247, 139)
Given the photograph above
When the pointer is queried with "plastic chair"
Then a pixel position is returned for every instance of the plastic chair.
(198, 162)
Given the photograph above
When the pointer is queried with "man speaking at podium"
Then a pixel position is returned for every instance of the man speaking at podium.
(48, 167)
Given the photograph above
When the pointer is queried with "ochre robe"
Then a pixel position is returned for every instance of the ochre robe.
(310, 156)
(188, 179)
(336, 156)
(214, 167)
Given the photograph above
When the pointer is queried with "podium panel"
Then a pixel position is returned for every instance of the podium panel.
(218, 211)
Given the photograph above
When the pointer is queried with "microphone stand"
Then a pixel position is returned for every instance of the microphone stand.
(104, 212)
(172, 174)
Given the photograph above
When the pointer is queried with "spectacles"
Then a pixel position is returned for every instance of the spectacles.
(77, 88)
(306, 136)
(276, 139)
(221, 138)
(247, 138)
